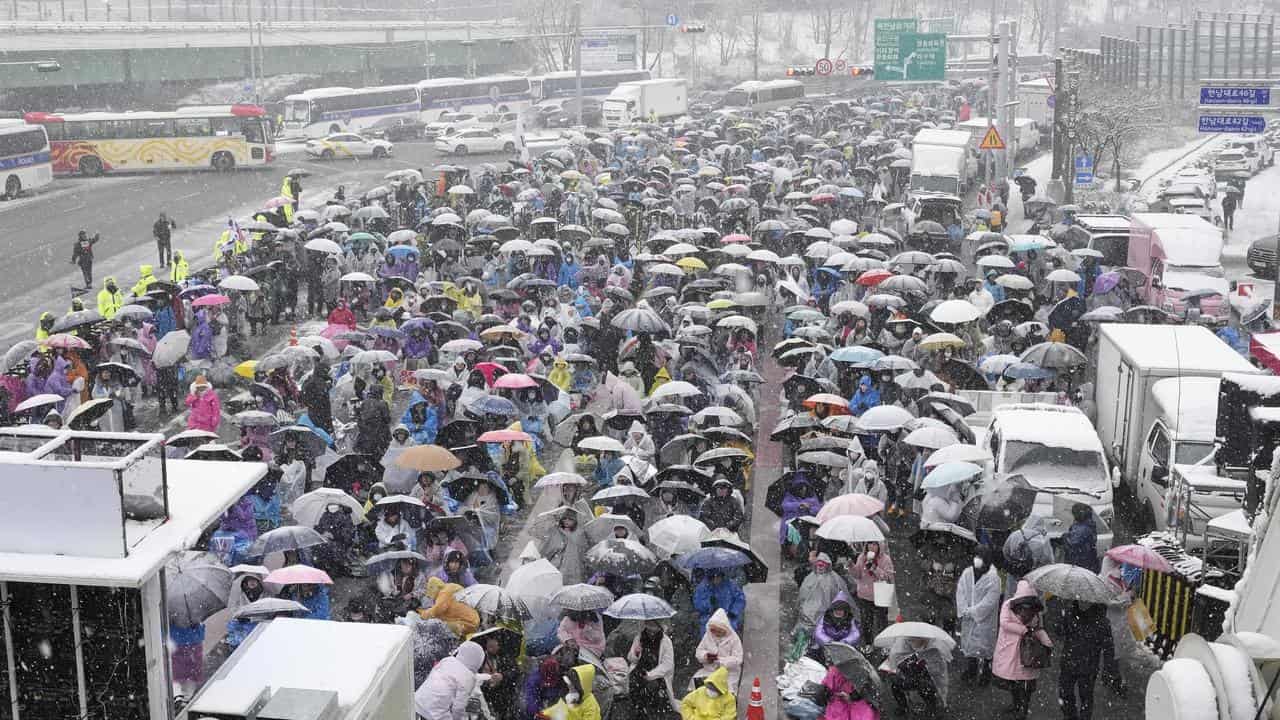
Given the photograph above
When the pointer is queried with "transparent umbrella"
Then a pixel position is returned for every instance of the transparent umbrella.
(198, 587)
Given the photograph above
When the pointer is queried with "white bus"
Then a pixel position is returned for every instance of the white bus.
(564, 84)
(26, 162)
(758, 95)
(326, 111)
(494, 93)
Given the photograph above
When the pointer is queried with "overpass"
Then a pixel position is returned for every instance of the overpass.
(149, 55)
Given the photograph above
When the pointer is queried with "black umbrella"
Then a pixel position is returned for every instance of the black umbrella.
(790, 428)
(456, 526)
(857, 669)
(77, 319)
(1003, 508)
(777, 491)
(756, 570)
(127, 375)
(351, 468)
(1016, 311)
(458, 433)
(963, 375)
(684, 492)
(508, 640)
(1067, 312)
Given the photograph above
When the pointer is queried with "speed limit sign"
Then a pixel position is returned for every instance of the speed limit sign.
(822, 67)
(841, 65)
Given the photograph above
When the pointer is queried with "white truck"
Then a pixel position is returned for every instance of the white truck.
(940, 162)
(1033, 101)
(1157, 398)
(644, 100)
(291, 668)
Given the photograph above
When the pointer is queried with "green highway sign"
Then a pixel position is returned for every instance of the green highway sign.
(912, 57)
(888, 30)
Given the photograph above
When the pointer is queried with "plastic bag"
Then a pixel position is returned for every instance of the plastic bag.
(799, 644)
(1140, 623)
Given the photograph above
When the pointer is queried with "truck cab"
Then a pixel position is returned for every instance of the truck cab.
(1056, 449)
(1181, 434)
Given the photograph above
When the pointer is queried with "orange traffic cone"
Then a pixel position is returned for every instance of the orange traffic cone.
(755, 707)
(293, 335)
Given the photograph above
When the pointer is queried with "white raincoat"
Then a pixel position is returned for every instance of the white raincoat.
(978, 609)
(444, 694)
(726, 648)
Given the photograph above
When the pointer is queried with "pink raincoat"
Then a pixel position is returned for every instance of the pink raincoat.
(838, 709)
(1007, 663)
(206, 411)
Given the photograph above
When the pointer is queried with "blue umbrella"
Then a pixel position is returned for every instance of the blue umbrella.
(416, 324)
(493, 405)
(714, 558)
(1028, 371)
(950, 474)
(857, 354)
(1024, 244)
(830, 271)
(851, 192)
(399, 250)
(386, 332)
(640, 606)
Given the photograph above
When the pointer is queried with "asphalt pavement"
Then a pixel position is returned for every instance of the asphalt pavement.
(36, 232)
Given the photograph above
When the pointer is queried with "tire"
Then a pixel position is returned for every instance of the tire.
(1146, 519)
(90, 165)
(460, 150)
(379, 153)
(509, 148)
(223, 161)
(12, 187)
(326, 154)
(334, 129)
(503, 108)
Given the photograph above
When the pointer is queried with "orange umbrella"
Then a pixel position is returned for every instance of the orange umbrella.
(834, 404)
(428, 458)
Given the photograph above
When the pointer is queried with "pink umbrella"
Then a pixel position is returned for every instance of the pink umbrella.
(278, 201)
(851, 504)
(735, 238)
(210, 300)
(504, 436)
(62, 341)
(298, 575)
(515, 381)
(1140, 556)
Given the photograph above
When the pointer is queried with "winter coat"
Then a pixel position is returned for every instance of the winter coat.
(315, 397)
(423, 433)
(206, 410)
(727, 650)
(665, 668)
(934, 660)
(386, 534)
(827, 632)
(587, 708)
(1006, 663)
(978, 609)
(1080, 545)
(839, 709)
(461, 618)
(1086, 633)
(700, 705)
(865, 398)
(721, 512)
(201, 347)
(317, 605)
(865, 578)
(373, 428)
(817, 592)
(589, 635)
(445, 694)
(1036, 537)
(794, 506)
(941, 505)
(567, 551)
(727, 596)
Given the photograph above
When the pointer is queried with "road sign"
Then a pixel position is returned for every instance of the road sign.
(1084, 170)
(822, 67)
(888, 30)
(841, 65)
(1252, 96)
(673, 20)
(1051, 101)
(991, 141)
(916, 57)
(1247, 124)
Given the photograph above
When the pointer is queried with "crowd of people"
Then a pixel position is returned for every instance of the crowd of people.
(521, 407)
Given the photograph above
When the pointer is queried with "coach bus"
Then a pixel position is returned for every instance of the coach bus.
(564, 84)
(494, 93)
(25, 160)
(327, 111)
(758, 95)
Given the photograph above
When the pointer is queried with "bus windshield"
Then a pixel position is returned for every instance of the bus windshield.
(735, 98)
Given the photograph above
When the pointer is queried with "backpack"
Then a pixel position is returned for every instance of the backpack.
(1019, 562)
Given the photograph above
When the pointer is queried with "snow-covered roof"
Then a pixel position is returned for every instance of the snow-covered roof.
(1049, 425)
(1190, 348)
(200, 491)
(1192, 404)
(307, 654)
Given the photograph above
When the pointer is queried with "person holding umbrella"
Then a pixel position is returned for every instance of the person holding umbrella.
(873, 565)
(919, 666)
(1086, 638)
(107, 386)
(566, 547)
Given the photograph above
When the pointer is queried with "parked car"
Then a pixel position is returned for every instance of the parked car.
(503, 122)
(449, 123)
(1198, 176)
(1234, 160)
(1256, 147)
(1261, 258)
(476, 140)
(592, 114)
(396, 129)
(347, 145)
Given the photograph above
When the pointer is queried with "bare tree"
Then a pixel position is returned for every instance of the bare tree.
(726, 27)
(826, 21)
(756, 28)
(551, 25)
(1111, 120)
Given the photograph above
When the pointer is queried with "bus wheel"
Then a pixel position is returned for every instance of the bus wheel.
(12, 187)
(460, 150)
(223, 161)
(379, 153)
(334, 129)
(90, 165)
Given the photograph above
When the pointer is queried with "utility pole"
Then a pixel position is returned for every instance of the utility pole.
(1055, 190)
(577, 56)
(426, 38)
(1073, 102)
(253, 52)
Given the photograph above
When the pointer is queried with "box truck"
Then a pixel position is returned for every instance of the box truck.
(646, 100)
(940, 162)
(1179, 254)
(292, 669)
(1157, 400)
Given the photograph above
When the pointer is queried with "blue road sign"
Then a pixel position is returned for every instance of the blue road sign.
(1255, 96)
(1084, 170)
(1232, 124)
(673, 20)
(1051, 101)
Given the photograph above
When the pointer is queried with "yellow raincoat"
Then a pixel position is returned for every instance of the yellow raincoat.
(587, 707)
(178, 269)
(700, 705)
(109, 302)
(146, 277)
(660, 378)
(561, 376)
(460, 617)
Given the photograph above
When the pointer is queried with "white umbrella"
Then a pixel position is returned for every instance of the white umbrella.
(461, 190)
(883, 418)
(324, 245)
(677, 535)
(171, 348)
(919, 630)
(675, 388)
(931, 437)
(1062, 275)
(238, 282)
(851, 529)
(954, 312)
(357, 277)
(559, 479)
(958, 452)
(1015, 282)
(601, 443)
(308, 508)
(38, 401)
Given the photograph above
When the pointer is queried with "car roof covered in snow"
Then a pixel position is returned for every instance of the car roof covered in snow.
(1057, 426)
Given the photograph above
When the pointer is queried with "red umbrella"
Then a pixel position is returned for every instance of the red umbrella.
(835, 404)
(490, 370)
(822, 199)
(210, 300)
(515, 381)
(1140, 556)
(874, 277)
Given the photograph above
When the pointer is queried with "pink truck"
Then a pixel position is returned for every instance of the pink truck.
(1179, 254)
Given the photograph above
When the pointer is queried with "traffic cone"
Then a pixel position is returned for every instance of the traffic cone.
(293, 336)
(899, 618)
(755, 707)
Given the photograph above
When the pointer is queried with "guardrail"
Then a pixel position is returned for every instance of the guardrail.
(294, 26)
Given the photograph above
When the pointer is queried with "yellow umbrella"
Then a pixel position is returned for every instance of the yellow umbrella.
(246, 369)
(691, 263)
(938, 341)
(721, 304)
(428, 458)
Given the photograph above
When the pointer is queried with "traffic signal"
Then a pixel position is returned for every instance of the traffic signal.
(862, 71)
(693, 28)
(800, 71)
